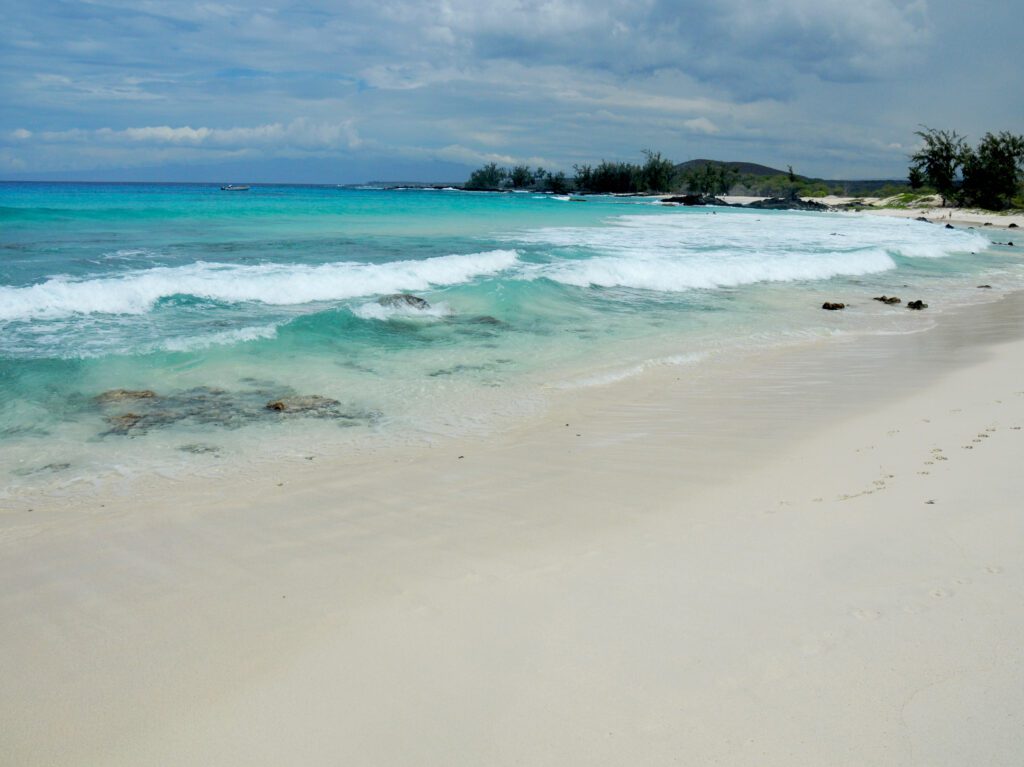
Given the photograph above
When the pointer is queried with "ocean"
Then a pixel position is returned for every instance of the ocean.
(179, 330)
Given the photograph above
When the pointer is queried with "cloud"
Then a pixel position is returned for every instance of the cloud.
(701, 125)
(570, 80)
(299, 133)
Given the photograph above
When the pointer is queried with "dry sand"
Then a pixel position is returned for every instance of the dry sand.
(932, 210)
(811, 556)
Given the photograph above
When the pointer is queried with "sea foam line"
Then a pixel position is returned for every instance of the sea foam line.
(137, 292)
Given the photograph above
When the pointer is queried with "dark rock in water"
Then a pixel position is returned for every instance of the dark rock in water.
(887, 299)
(124, 423)
(985, 286)
(120, 395)
(1012, 225)
(208, 406)
(833, 306)
(1010, 244)
(486, 319)
(919, 304)
(922, 218)
(198, 449)
(310, 403)
(950, 226)
(695, 200)
(781, 203)
(398, 300)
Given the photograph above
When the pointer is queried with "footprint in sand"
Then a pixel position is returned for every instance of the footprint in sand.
(924, 472)
(941, 593)
(866, 614)
(994, 569)
(968, 447)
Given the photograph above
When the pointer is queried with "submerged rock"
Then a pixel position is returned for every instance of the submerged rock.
(209, 406)
(399, 300)
(833, 306)
(950, 226)
(124, 423)
(120, 395)
(309, 403)
(198, 449)
(985, 286)
(919, 304)
(887, 299)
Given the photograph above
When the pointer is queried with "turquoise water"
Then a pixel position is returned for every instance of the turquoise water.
(222, 302)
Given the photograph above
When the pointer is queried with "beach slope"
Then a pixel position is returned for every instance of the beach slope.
(804, 557)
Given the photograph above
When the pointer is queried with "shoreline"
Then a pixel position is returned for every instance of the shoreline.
(714, 562)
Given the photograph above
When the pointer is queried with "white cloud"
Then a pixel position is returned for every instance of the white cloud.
(701, 125)
(300, 133)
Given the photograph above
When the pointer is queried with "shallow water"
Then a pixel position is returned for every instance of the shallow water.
(220, 303)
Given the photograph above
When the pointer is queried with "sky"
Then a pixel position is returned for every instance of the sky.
(426, 90)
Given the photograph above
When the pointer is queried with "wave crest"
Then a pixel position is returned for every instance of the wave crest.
(275, 284)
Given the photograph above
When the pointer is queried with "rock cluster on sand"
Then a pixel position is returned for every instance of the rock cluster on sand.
(782, 203)
(919, 304)
(887, 299)
(833, 306)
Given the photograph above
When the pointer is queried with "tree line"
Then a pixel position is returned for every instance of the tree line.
(655, 175)
(990, 175)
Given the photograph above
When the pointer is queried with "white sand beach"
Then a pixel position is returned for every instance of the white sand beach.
(932, 210)
(809, 556)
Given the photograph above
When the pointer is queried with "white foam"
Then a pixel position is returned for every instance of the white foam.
(277, 284)
(222, 338)
(375, 311)
(692, 250)
(614, 376)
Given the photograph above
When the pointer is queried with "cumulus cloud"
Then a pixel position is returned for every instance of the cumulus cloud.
(475, 81)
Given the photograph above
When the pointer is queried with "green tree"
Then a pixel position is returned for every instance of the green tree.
(584, 177)
(993, 172)
(521, 176)
(614, 178)
(556, 182)
(489, 177)
(916, 178)
(657, 174)
(939, 159)
(711, 179)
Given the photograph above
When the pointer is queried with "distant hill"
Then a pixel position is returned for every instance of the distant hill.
(752, 168)
(751, 173)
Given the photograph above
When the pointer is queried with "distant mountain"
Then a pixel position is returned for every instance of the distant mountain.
(750, 186)
(752, 168)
